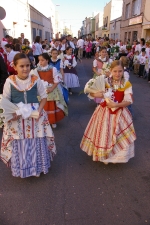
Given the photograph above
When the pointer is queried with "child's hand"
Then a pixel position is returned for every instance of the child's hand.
(49, 89)
(15, 117)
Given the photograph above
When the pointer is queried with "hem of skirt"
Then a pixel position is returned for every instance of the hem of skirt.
(33, 175)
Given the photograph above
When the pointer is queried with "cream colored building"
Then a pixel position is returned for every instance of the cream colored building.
(24, 18)
(112, 11)
(115, 29)
(146, 21)
(98, 24)
(132, 19)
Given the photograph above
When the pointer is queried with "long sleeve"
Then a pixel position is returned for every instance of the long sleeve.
(6, 90)
(128, 95)
(55, 75)
(74, 62)
(41, 89)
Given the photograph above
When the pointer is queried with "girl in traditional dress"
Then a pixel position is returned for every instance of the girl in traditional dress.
(70, 74)
(55, 106)
(10, 56)
(109, 136)
(99, 62)
(27, 144)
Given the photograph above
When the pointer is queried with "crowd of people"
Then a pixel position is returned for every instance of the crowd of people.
(39, 78)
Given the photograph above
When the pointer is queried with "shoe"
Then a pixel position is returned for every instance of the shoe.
(70, 93)
(54, 125)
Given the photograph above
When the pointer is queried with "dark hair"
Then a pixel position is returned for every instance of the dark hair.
(37, 39)
(25, 40)
(68, 48)
(15, 41)
(143, 41)
(103, 48)
(63, 38)
(19, 56)
(46, 39)
(43, 46)
(7, 36)
(17, 47)
(45, 56)
(56, 40)
(9, 46)
(54, 50)
(143, 50)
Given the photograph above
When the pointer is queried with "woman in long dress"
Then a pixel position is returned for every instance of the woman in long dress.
(109, 136)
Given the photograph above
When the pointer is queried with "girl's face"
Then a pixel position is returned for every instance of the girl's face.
(8, 49)
(69, 51)
(54, 54)
(23, 68)
(103, 53)
(43, 62)
(117, 72)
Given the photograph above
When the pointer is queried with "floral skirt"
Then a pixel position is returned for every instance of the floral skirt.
(30, 157)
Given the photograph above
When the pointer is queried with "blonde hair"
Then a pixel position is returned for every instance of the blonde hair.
(116, 63)
(125, 61)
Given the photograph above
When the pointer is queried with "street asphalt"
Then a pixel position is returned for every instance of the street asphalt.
(78, 191)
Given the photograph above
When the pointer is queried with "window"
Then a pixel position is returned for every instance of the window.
(127, 13)
(136, 7)
(33, 33)
(125, 36)
(40, 33)
(129, 36)
(47, 35)
(134, 36)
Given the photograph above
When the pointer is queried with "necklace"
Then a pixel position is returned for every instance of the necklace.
(116, 84)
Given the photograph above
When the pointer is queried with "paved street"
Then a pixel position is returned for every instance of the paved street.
(78, 191)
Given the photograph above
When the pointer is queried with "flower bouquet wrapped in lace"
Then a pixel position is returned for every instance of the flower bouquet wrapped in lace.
(21, 109)
(109, 97)
(106, 67)
(95, 85)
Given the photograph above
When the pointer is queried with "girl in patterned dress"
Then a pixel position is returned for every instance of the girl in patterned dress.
(109, 136)
(55, 106)
(27, 144)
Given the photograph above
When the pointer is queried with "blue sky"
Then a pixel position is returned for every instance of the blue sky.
(74, 12)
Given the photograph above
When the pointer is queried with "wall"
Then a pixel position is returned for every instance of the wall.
(107, 14)
(146, 21)
(16, 20)
(131, 29)
(115, 28)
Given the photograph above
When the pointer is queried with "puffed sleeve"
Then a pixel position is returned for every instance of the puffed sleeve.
(6, 89)
(61, 64)
(55, 75)
(128, 95)
(41, 89)
(35, 72)
(74, 62)
(95, 63)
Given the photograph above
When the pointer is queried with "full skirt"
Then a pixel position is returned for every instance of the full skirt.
(71, 80)
(109, 137)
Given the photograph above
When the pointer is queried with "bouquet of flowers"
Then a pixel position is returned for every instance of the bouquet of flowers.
(106, 67)
(95, 85)
(25, 49)
(128, 47)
